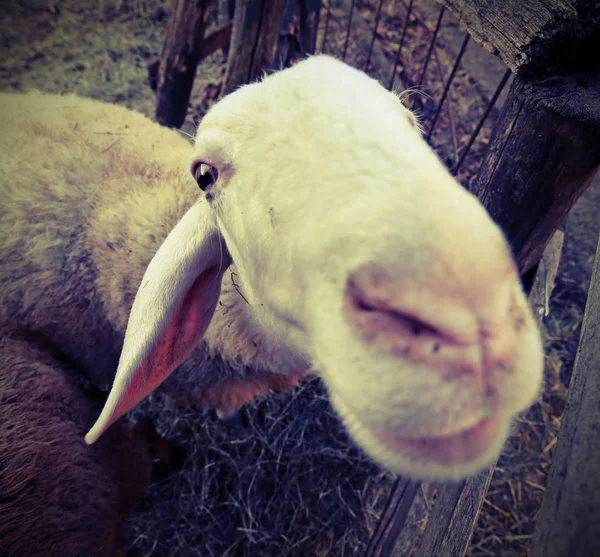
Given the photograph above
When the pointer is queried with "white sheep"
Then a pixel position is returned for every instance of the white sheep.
(327, 236)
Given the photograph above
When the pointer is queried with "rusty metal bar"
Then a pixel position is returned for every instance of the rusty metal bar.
(326, 26)
(448, 84)
(488, 109)
(432, 44)
(377, 17)
(348, 29)
(397, 60)
(448, 107)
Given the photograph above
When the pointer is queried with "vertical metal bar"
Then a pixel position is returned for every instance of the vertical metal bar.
(490, 105)
(374, 33)
(432, 44)
(348, 29)
(448, 84)
(397, 60)
(448, 107)
(326, 26)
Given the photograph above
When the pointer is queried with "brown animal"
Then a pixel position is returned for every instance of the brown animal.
(58, 496)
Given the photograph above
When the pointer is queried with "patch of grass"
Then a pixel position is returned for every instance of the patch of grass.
(285, 479)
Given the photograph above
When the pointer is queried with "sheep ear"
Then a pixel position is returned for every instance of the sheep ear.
(170, 314)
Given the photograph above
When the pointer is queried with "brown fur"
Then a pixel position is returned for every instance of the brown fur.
(58, 496)
(236, 392)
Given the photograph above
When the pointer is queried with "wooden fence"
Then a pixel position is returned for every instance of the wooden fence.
(543, 153)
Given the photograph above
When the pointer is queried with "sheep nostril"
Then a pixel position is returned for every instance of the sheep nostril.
(413, 324)
(380, 316)
(362, 305)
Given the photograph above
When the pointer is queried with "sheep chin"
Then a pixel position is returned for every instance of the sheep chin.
(447, 458)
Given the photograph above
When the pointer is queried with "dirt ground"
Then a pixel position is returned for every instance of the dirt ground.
(286, 479)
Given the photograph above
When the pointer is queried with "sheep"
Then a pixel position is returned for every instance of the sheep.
(322, 234)
(58, 496)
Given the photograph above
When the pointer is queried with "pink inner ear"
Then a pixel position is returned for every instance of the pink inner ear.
(176, 342)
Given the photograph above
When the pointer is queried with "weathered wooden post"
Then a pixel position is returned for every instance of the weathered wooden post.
(180, 55)
(543, 154)
(569, 521)
(297, 33)
(310, 10)
(546, 146)
(253, 40)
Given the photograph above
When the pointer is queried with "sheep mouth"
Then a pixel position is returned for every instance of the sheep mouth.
(462, 447)
(442, 456)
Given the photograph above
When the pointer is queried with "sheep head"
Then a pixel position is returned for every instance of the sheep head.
(356, 253)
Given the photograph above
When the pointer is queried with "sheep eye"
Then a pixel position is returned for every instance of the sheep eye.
(205, 175)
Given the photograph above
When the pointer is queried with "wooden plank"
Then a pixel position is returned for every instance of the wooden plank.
(393, 518)
(179, 58)
(310, 11)
(569, 521)
(219, 38)
(544, 152)
(297, 33)
(545, 277)
(253, 40)
(226, 9)
(454, 515)
(534, 35)
(409, 525)
(288, 46)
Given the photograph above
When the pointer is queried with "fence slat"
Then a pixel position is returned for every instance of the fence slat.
(297, 32)
(569, 521)
(253, 40)
(180, 55)
(543, 154)
(310, 11)
(454, 516)
(533, 34)
(393, 518)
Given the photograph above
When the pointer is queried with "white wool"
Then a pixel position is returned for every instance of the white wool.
(327, 195)
(322, 172)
